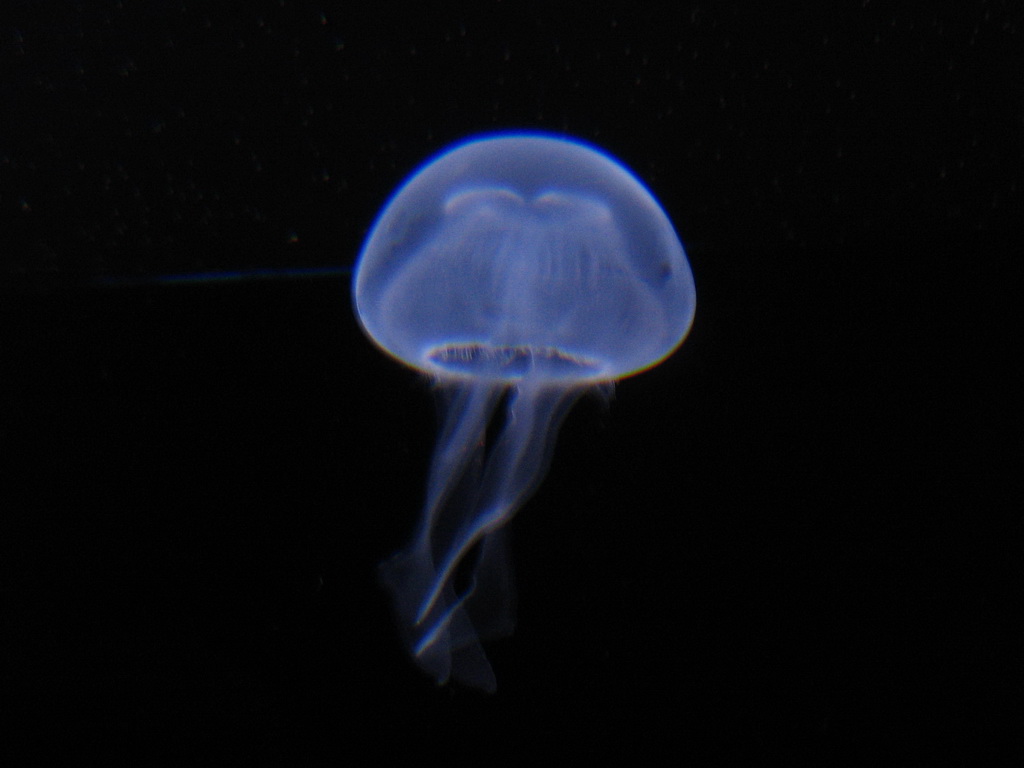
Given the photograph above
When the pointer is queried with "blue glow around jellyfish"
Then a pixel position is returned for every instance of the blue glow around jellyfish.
(516, 271)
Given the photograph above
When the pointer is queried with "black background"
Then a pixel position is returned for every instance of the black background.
(796, 539)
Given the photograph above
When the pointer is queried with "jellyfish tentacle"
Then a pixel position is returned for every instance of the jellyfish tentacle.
(411, 575)
(517, 464)
(459, 446)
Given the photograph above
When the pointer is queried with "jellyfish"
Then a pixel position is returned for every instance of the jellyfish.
(516, 271)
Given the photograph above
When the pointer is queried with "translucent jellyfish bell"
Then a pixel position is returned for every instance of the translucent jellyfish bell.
(515, 271)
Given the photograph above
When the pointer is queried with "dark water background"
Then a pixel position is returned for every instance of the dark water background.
(798, 538)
